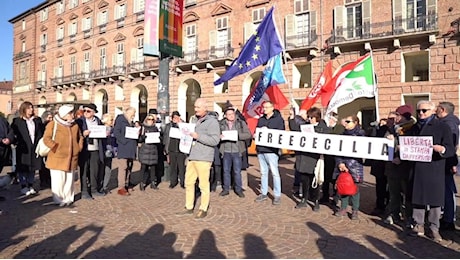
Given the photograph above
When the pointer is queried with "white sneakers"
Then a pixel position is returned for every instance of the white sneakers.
(28, 191)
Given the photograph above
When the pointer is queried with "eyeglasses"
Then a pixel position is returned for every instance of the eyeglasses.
(149, 118)
(422, 110)
(348, 121)
(87, 111)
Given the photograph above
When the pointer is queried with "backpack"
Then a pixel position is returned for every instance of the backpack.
(345, 184)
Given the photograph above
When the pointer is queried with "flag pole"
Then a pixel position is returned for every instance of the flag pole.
(376, 90)
(291, 96)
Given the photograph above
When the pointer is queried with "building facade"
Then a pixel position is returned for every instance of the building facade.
(6, 89)
(92, 51)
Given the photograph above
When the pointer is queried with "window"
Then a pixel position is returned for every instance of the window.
(60, 7)
(258, 15)
(23, 46)
(222, 23)
(301, 6)
(416, 66)
(416, 14)
(73, 29)
(86, 63)
(139, 6)
(44, 14)
(120, 11)
(73, 66)
(102, 59)
(120, 55)
(23, 68)
(220, 40)
(42, 74)
(73, 4)
(60, 33)
(60, 68)
(354, 21)
(191, 50)
(300, 29)
(43, 42)
(23, 24)
(103, 17)
(86, 23)
(302, 77)
(140, 49)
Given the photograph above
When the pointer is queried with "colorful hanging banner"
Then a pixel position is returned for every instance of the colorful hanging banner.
(151, 19)
(170, 27)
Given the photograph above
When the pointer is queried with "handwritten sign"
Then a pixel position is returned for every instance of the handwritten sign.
(186, 141)
(341, 145)
(307, 128)
(416, 148)
(97, 131)
(132, 132)
(230, 135)
(152, 138)
(174, 132)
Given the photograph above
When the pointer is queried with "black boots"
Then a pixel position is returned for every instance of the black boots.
(302, 204)
(316, 207)
(153, 186)
(142, 186)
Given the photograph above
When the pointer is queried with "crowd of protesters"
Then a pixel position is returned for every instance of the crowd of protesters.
(405, 190)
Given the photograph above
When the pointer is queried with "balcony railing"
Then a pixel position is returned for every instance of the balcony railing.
(206, 55)
(120, 22)
(398, 26)
(72, 38)
(87, 33)
(143, 66)
(43, 47)
(22, 54)
(102, 28)
(107, 72)
(41, 84)
(140, 16)
(70, 79)
(301, 40)
(59, 42)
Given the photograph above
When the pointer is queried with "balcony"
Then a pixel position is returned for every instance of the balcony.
(22, 55)
(72, 38)
(43, 48)
(297, 45)
(411, 29)
(110, 74)
(143, 69)
(40, 86)
(120, 22)
(102, 28)
(139, 16)
(59, 42)
(213, 57)
(87, 33)
(75, 80)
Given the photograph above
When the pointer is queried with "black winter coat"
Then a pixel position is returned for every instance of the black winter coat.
(148, 153)
(26, 158)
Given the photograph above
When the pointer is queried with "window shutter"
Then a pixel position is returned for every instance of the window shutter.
(399, 16)
(366, 8)
(133, 55)
(431, 12)
(339, 22)
(313, 35)
(229, 42)
(248, 31)
(212, 41)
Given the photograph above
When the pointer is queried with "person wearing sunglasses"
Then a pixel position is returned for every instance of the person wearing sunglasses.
(445, 113)
(148, 153)
(429, 177)
(91, 158)
(355, 165)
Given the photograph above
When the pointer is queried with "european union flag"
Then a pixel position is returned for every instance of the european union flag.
(264, 44)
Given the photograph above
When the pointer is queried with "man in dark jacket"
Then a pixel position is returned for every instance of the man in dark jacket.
(445, 113)
(429, 177)
(174, 156)
(269, 156)
(6, 138)
(232, 151)
(91, 158)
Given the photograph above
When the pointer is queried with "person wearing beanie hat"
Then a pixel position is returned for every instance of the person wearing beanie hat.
(405, 111)
(66, 143)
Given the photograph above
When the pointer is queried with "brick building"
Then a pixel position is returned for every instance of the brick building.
(6, 89)
(91, 51)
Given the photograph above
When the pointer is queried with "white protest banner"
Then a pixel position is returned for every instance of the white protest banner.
(186, 140)
(174, 132)
(416, 148)
(307, 128)
(97, 131)
(340, 145)
(132, 132)
(230, 135)
(152, 138)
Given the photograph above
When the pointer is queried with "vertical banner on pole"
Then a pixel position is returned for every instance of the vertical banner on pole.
(151, 25)
(170, 27)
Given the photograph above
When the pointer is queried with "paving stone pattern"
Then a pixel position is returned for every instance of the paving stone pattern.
(144, 225)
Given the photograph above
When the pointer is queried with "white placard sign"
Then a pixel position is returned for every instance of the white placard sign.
(230, 135)
(132, 132)
(152, 138)
(186, 140)
(174, 132)
(97, 131)
(377, 148)
(307, 128)
(416, 148)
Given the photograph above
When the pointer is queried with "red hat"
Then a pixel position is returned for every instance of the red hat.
(405, 110)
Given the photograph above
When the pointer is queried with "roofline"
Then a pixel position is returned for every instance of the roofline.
(32, 10)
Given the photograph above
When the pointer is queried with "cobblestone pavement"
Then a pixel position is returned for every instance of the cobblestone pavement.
(144, 225)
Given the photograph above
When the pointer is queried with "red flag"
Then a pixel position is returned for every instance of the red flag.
(329, 88)
(317, 89)
(273, 94)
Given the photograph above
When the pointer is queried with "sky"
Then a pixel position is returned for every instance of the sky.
(10, 9)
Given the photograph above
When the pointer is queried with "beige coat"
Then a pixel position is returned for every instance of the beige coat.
(65, 147)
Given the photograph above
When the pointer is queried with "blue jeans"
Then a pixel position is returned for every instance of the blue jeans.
(26, 178)
(267, 160)
(235, 160)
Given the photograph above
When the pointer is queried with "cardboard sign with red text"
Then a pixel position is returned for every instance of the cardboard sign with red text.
(416, 148)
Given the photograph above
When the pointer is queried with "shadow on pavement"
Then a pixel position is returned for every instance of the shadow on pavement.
(338, 246)
(256, 248)
(151, 244)
(205, 247)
